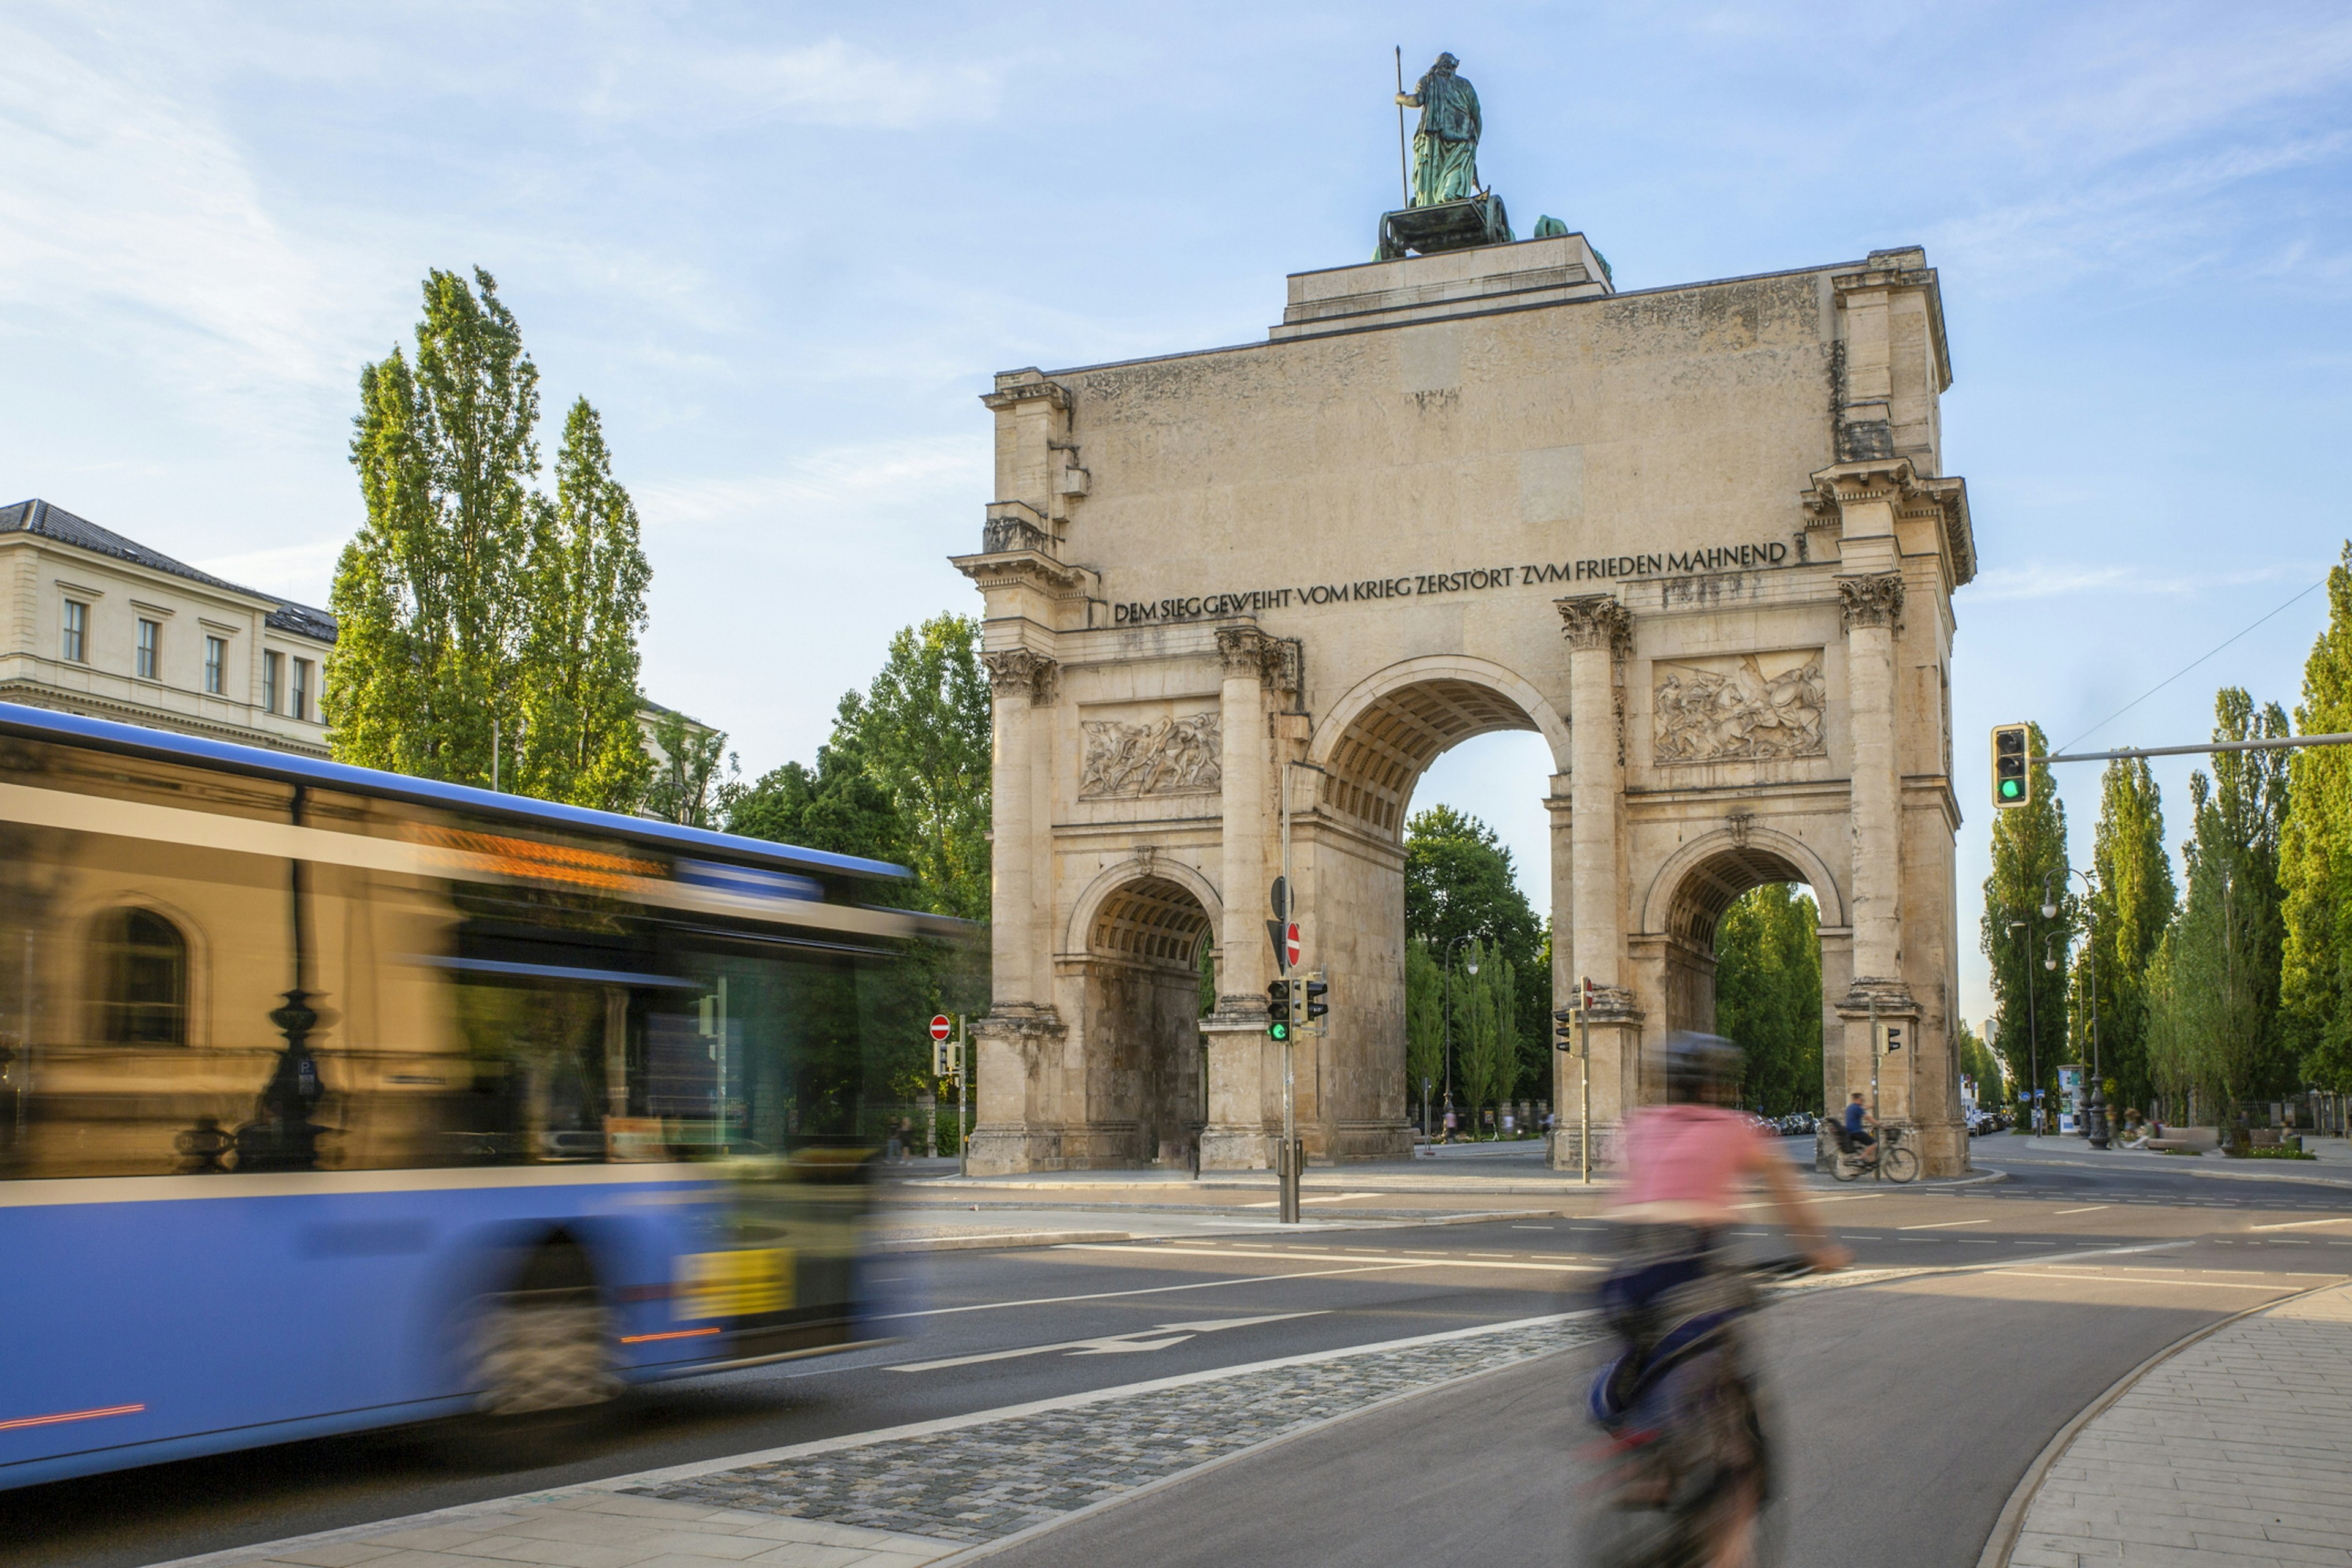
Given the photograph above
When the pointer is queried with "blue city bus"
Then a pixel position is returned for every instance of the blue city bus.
(332, 1099)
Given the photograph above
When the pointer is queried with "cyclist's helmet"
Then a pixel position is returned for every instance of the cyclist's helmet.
(1703, 1069)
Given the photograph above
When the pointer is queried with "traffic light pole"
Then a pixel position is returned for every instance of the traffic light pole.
(963, 1097)
(1584, 1095)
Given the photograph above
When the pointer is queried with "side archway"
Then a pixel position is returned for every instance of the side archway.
(1137, 937)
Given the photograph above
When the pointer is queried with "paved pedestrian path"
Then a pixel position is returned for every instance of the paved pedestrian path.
(2235, 1450)
(902, 1498)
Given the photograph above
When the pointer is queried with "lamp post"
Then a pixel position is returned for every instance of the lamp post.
(2032, 1037)
(2097, 1106)
(1472, 968)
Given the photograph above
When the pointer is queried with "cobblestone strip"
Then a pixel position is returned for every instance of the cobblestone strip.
(2235, 1451)
(988, 1482)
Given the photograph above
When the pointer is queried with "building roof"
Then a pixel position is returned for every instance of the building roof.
(52, 523)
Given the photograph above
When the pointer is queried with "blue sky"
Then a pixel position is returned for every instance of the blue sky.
(782, 248)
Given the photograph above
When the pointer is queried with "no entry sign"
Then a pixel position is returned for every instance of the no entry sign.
(939, 1027)
(1290, 945)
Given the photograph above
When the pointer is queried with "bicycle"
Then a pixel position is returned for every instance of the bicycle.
(1892, 1157)
(1687, 1457)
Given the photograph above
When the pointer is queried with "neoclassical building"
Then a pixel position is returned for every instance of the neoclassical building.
(1700, 539)
(93, 623)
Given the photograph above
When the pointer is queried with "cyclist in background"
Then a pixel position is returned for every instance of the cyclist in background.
(1860, 1136)
(1676, 1299)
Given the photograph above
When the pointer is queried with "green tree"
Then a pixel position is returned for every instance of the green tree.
(838, 805)
(434, 591)
(1978, 1061)
(2221, 1032)
(922, 733)
(2029, 856)
(577, 680)
(689, 786)
(2129, 911)
(1425, 1022)
(1768, 995)
(1459, 882)
(2315, 856)
(1485, 1056)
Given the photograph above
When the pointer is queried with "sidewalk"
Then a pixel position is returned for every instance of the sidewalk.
(2234, 1450)
(2331, 1167)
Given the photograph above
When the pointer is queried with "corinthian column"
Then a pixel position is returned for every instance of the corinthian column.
(1021, 1021)
(1600, 634)
(1873, 607)
(1236, 1138)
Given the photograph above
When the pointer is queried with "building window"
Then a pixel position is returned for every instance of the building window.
(75, 647)
(151, 649)
(272, 667)
(139, 961)
(301, 708)
(216, 663)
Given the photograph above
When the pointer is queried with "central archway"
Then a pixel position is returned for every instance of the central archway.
(1381, 736)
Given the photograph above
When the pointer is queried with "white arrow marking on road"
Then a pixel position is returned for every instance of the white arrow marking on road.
(1110, 1344)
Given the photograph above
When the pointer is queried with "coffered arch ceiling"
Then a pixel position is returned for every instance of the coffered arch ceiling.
(1371, 770)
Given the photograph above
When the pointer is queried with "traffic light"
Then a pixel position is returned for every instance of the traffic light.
(1278, 1010)
(1316, 989)
(1890, 1038)
(2012, 766)
(1563, 1030)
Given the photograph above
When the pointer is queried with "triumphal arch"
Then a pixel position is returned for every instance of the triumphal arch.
(1699, 538)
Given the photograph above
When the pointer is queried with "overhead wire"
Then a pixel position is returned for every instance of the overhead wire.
(2181, 672)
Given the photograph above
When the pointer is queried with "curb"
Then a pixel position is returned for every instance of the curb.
(2339, 1182)
(2011, 1524)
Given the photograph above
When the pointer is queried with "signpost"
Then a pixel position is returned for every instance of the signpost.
(948, 1061)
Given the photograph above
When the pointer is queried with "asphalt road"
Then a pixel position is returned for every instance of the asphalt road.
(1908, 1407)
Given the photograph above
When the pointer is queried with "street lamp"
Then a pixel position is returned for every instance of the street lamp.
(2032, 1037)
(1472, 968)
(2098, 1105)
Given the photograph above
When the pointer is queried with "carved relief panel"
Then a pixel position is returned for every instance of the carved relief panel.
(1177, 756)
(1738, 708)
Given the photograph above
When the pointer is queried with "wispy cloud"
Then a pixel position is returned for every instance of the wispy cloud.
(904, 479)
(301, 572)
(2063, 579)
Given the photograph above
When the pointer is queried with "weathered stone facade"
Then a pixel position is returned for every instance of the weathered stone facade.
(1699, 539)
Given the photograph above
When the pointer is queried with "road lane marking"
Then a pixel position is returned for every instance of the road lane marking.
(1943, 1225)
(2157, 1279)
(1110, 1344)
(2093, 1209)
(1513, 1227)
(1146, 1291)
(1426, 1260)
(1324, 1198)
(2304, 1224)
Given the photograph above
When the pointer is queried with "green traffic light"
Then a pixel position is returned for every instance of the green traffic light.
(1278, 1031)
(2010, 789)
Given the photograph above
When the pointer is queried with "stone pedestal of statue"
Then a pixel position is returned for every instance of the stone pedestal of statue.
(1446, 225)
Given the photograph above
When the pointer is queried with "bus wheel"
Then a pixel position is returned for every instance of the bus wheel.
(540, 1351)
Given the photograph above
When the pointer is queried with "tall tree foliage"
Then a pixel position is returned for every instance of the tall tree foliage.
(1425, 1022)
(905, 776)
(1978, 1063)
(1458, 883)
(1768, 995)
(2129, 912)
(2315, 856)
(1486, 1028)
(470, 603)
(2029, 856)
(688, 785)
(578, 674)
(2217, 1028)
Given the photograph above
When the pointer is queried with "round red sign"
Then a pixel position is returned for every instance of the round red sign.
(940, 1028)
(1290, 944)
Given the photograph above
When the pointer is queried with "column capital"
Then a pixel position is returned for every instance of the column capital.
(1014, 670)
(1247, 650)
(1873, 600)
(1596, 621)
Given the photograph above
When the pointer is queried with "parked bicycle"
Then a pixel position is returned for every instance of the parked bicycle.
(1892, 1157)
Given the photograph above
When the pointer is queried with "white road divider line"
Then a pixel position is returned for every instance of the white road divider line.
(1392, 1262)
(1943, 1225)
(2093, 1209)
(1168, 1334)
(2306, 1224)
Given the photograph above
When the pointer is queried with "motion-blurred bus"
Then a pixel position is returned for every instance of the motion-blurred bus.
(332, 1099)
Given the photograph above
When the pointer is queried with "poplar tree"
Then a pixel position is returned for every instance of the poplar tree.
(2129, 912)
(2218, 1030)
(576, 684)
(1425, 1022)
(470, 605)
(432, 593)
(1768, 995)
(2315, 856)
(923, 732)
(2029, 854)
